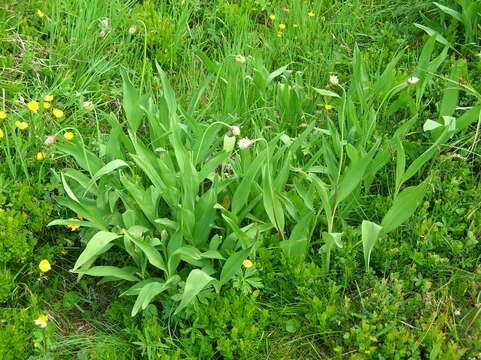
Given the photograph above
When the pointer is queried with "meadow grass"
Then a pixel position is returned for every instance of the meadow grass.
(356, 205)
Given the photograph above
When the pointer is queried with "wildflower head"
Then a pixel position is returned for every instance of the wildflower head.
(240, 59)
(50, 140)
(1, 134)
(68, 136)
(44, 266)
(88, 105)
(33, 105)
(235, 130)
(46, 105)
(3, 115)
(48, 98)
(412, 80)
(41, 321)
(245, 143)
(105, 22)
(73, 227)
(40, 156)
(132, 29)
(334, 80)
(57, 113)
(247, 263)
(311, 14)
(328, 107)
(272, 17)
(39, 13)
(282, 26)
(22, 125)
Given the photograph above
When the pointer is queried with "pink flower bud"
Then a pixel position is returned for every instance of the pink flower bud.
(50, 140)
(235, 130)
(245, 143)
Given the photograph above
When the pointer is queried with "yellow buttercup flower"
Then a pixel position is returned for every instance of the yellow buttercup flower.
(311, 14)
(73, 227)
(40, 156)
(3, 115)
(272, 17)
(46, 105)
(68, 136)
(282, 26)
(33, 105)
(44, 266)
(39, 13)
(57, 113)
(48, 98)
(328, 107)
(1, 134)
(22, 125)
(247, 263)
(42, 321)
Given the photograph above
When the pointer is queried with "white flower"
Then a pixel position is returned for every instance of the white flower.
(88, 105)
(102, 33)
(334, 80)
(105, 22)
(132, 29)
(240, 59)
(457, 313)
(412, 80)
(41, 321)
(245, 143)
(235, 130)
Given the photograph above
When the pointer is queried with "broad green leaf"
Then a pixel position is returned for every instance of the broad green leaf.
(455, 14)
(232, 265)
(107, 169)
(432, 32)
(147, 293)
(195, 283)
(370, 233)
(324, 92)
(97, 245)
(298, 244)
(431, 125)
(153, 255)
(125, 273)
(403, 207)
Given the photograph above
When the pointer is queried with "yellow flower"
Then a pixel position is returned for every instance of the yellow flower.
(328, 107)
(3, 115)
(41, 321)
(68, 136)
(44, 266)
(40, 14)
(57, 113)
(73, 227)
(295, 25)
(1, 134)
(311, 14)
(247, 263)
(282, 26)
(279, 34)
(272, 17)
(63, 252)
(48, 98)
(33, 105)
(22, 125)
(40, 156)
(46, 105)
(80, 217)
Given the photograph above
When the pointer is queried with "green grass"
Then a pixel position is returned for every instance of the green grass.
(302, 203)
